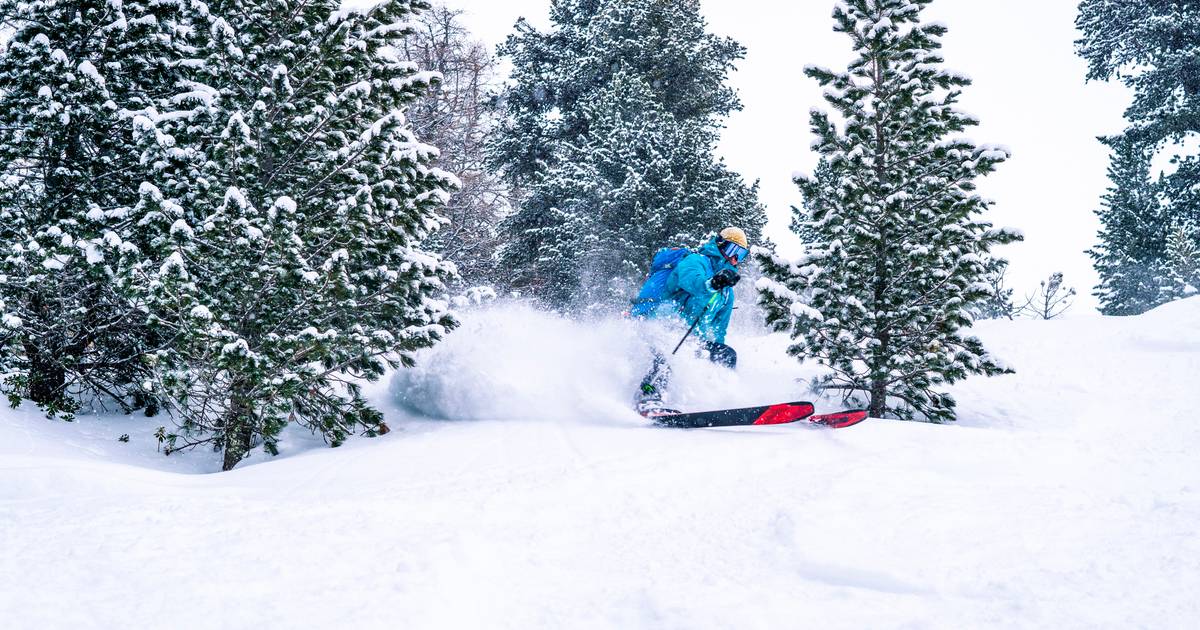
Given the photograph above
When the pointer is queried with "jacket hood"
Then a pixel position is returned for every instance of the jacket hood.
(711, 250)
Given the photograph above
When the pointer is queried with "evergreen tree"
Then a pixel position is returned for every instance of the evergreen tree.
(1153, 46)
(900, 254)
(629, 187)
(75, 74)
(1183, 261)
(290, 211)
(612, 123)
(1130, 257)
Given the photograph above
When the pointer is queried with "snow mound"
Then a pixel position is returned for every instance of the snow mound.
(1172, 327)
(1061, 486)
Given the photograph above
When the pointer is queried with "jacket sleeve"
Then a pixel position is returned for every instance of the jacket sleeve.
(716, 321)
(692, 274)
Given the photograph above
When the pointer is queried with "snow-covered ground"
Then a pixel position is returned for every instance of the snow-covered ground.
(518, 491)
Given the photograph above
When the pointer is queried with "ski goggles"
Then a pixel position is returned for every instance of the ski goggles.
(733, 252)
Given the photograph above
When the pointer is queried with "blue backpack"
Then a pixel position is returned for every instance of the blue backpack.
(654, 289)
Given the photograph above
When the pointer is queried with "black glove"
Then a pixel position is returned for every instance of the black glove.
(724, 279)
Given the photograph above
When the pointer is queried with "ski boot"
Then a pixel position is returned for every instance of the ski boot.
(649, 403)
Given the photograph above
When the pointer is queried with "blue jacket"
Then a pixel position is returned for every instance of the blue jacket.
(688, 286)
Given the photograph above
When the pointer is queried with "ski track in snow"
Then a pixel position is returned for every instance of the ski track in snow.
(1067, 496)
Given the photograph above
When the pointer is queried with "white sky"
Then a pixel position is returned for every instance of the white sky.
(1029, 93)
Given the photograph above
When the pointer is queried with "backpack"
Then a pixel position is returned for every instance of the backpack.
(654, 289)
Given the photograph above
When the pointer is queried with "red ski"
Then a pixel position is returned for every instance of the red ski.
(784, 413)
(839, 420)
(770, 414)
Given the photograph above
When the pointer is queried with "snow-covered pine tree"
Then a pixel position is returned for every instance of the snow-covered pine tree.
(75, 74)
(1131, 254)
(296, 269)
(1183, 262)
(631, 186)
(900, 252)
(592, 208)
(1152, 46)
(457, 116)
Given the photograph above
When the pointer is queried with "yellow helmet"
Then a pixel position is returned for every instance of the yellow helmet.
(735, 235)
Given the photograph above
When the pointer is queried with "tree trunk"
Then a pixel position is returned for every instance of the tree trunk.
(881, 354)
(878, 405)
(47, 374)
(238, 426)
(47, 378)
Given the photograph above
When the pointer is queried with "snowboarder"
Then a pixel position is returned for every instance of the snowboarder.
(696, 288)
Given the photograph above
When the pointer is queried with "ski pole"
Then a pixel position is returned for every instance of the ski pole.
(695, 323)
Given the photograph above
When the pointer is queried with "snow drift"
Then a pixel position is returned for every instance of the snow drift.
(1067, 496)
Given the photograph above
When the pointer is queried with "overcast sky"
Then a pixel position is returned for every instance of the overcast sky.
(1029, 93)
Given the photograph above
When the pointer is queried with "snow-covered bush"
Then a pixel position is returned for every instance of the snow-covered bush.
(1051, 300)
(475, 296)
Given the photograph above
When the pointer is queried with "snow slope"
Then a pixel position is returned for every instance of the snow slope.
(1068, 496)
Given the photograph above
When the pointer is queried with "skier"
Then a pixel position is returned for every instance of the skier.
(696, 288)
